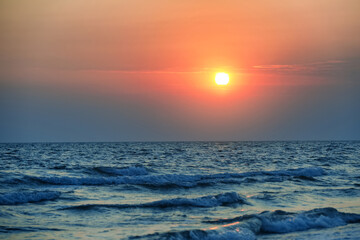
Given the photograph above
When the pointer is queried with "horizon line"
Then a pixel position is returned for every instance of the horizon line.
(179, 141)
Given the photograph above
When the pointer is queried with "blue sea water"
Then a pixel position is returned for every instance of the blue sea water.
(180, 190)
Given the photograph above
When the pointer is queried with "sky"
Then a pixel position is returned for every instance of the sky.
(83, 70)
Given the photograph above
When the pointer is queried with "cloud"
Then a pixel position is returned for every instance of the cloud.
(143, 71)
(322, 66)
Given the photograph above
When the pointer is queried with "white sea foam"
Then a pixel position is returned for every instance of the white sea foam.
(27, 197)
(207, 201)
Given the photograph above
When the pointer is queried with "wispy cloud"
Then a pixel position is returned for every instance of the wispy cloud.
(143, 71)
(306, 68)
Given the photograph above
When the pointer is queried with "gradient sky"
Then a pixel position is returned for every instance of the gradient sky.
(139, 70)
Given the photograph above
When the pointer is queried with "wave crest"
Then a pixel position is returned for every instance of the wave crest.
(222, 199)
(248, 226)
(284, 222)
(28, 197)
(177, 180)
(128, 171)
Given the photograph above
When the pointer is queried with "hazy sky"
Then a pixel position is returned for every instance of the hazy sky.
(139, 70)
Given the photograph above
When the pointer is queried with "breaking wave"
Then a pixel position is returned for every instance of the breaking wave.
(284, 222)
(128, 171)
(27, 197)
(179, 180)
(248, 226)
(222, 199)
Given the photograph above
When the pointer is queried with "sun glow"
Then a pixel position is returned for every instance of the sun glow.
(222, 78)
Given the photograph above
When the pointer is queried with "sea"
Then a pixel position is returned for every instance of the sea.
(180, 190)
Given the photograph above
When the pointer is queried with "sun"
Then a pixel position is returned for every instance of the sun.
(222, 78)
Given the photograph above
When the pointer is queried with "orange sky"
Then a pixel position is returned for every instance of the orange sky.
(153, 63)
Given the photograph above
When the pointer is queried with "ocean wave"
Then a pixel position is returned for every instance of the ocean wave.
(150, 180)
(234, 231)
(222, 199)
(299, 172)
(181, 180)
(238, 234)
(27, 197)
(4, 229)
(284, 222)
(128, 171)
(248, 226)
